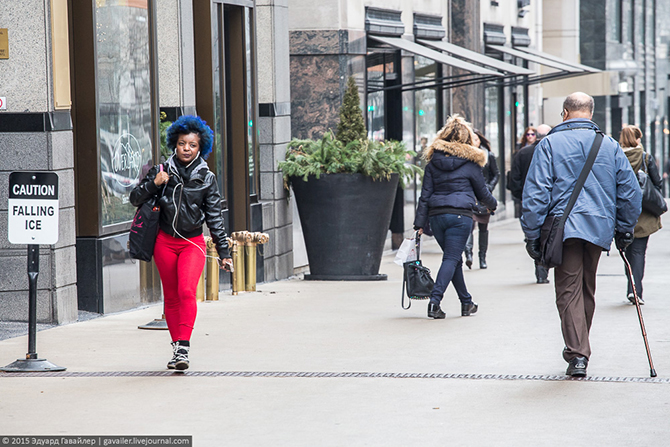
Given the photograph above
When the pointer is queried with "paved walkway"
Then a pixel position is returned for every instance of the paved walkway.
(302, 363)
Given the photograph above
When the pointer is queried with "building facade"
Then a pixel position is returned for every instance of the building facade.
(88, 87)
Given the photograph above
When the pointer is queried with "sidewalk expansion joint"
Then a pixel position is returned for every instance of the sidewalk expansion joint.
(339, 375)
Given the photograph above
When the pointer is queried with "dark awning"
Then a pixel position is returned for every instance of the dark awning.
(545, 59)
(551, 57)
(477, 57)
(438, 57)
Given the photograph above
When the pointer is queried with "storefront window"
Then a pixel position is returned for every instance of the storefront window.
(426, 102)
(219, 111)
(491, 116)
(124, 103)
(251, 117)
(375, 113)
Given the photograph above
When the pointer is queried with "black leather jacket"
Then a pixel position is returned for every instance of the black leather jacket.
(194, 203)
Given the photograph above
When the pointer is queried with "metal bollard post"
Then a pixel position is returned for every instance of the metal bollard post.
(249, 263)
(212, 267)
(251, 242)
(200, 294)
(237, 253)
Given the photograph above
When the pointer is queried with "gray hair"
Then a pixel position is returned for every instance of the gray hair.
(579, 102)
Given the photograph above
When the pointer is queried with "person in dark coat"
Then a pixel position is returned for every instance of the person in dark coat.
(452, 183)
(607, 207)
(520, 165)
(481, 214)
(647, 224)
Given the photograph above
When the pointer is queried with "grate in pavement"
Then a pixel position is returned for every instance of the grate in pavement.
(338, 375)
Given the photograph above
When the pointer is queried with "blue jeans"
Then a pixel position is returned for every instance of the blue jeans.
(635, 253)
(451, 232)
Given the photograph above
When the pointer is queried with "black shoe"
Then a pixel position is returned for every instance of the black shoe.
(468, 259)
(435, 312)
(181, 358)
(482, 262)
(469, 309)
(577, 367)
(543, 281)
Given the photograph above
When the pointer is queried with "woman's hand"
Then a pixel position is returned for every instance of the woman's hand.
(419, 231)
(161, 178)
(226, 264)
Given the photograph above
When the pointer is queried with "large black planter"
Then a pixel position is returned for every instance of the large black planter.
(345, 220)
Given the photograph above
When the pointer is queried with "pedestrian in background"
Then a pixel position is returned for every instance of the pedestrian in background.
(482, 215)
(647, 223)
(452, 183)
(607, 206)
(529, 137)
(520, 166)
(188, 198)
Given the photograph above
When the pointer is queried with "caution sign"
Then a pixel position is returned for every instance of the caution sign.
(33, 208)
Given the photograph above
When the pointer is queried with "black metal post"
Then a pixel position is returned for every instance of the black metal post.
(33, 272)
(32, 363)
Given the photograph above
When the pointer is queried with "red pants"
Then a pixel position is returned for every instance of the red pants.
(180, 265)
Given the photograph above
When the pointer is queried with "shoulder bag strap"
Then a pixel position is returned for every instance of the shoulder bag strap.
(402, 293)
(582, 177)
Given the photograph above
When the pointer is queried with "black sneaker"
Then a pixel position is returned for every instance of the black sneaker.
(435, 312)
(577, 367)
(173, 360)
(181, 358)
(469, 309)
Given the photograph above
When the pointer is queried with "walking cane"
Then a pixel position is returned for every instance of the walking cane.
(652, 371)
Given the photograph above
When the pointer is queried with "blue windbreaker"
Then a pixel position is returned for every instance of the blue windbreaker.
(610, 200)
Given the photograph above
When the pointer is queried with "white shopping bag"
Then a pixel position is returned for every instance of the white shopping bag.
(406, 252)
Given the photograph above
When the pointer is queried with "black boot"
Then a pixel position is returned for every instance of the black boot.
(469, 309)
(468, 252)
(483, 246)
(435, 312)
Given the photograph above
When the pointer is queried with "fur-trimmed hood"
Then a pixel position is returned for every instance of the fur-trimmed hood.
(450, 155)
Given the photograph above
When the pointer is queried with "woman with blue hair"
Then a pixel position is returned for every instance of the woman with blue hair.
(188, 198)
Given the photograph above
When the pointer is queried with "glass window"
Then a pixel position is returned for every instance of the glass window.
(124, 103)
(251, 116)
(425, 70)
(618, 20)
(219, 111)
(491, 116)
(375, 103)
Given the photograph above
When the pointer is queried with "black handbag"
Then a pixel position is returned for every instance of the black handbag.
(416, 279)
(652, 200)
(551, 233)
(144, 229)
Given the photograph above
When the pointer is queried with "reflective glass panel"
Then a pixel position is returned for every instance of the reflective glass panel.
(124, 102)
(251, 116)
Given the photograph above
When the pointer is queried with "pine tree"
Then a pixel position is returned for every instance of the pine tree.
(352, 125)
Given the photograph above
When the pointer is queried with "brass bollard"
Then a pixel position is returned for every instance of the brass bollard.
(237, 253)
(212, 267)
(251, 241)
(200, 294)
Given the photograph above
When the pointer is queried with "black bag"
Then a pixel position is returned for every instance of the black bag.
(652, 199)
(551, 233)
(551, 241)
(416, 279)
(144, 230)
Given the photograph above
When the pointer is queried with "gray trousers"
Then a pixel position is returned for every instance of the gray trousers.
(575, 283)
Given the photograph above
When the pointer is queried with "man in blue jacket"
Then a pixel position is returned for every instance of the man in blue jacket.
(608, 206)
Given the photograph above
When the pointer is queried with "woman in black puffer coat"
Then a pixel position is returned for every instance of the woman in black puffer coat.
(452, 184)
(481, 214)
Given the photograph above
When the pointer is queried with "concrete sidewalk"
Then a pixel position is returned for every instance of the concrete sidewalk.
(331, 364)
